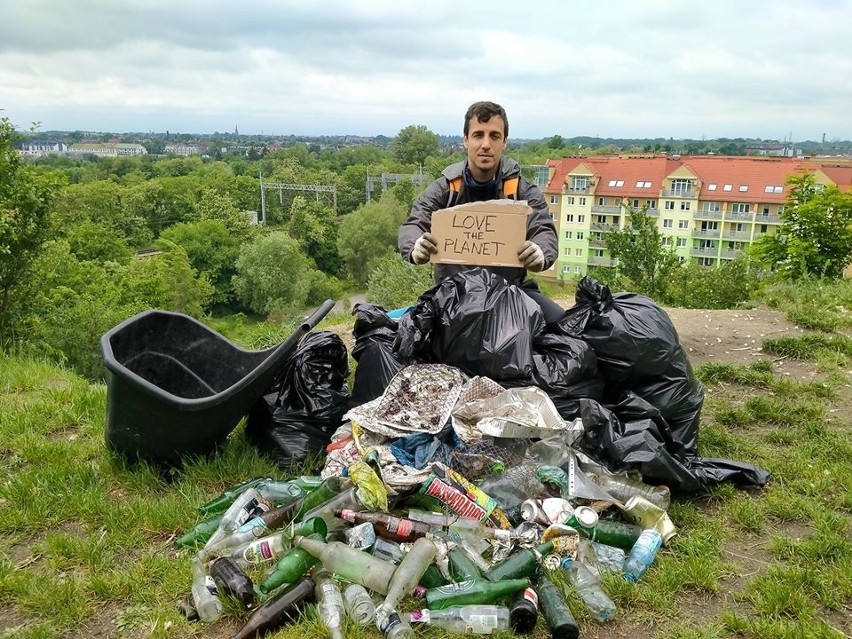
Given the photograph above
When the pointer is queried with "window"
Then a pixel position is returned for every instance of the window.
(578, 252)
(667, 240)
(601, 219)
(683, 224)
(681, 186)
(580, 235)
(670, 205)
(766, 210)
(780, 209)
(581, 219)
(569, 217)
(579, 182)
(684, 206)
(668, 223)
(616, 183)
(711, 187)
(740, 207)
(652, 204)
(577, 269)
(743, 188)
(739, 227)
(711, 207)
(582, 201)
(709, 226)
(643, 185)
(727, 187)
(567, 269)
(635, 204)
(554, 199)
(764, 228)
(569, 199)
(681, 242)
(601, 201)
(568, 235)
(705, 261)
(773, 189)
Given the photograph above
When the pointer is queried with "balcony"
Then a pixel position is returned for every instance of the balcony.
(596, 243)
(714, 233)
(687, 193)
(652, 212)
(575, 189)
(609, 210)
(601, 261)
(730, 215)
(599, 226)
(704, 252)
(736, 235)
(707, 215)
(767, 219)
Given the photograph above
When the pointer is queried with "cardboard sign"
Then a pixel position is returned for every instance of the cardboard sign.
(481, 233)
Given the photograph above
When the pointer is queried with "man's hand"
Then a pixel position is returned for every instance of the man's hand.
(424, 247)
(531, 256)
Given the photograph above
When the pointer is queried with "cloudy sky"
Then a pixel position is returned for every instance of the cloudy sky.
(611, 68)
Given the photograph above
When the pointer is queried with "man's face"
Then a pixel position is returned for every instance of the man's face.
(485, 143)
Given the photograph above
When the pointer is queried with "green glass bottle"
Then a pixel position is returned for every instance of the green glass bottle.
(474, 591)
(555, 610)
(521, 563)
(462, 567)
(326, 491)
(432, 578)
(220, 504)
(199, 535)
(611, 533)
(290, 568)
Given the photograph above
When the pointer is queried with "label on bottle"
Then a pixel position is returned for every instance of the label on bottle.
(481, 624)
(387, 625)
(453, 498)
(401, 527)
(461, 586)
(210, 586)
(258, 552)
(531, 596)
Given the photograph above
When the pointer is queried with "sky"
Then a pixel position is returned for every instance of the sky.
(771, 69)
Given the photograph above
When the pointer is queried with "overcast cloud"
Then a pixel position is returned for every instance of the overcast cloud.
(614, 68)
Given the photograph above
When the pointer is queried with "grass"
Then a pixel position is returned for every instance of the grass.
(85, 540)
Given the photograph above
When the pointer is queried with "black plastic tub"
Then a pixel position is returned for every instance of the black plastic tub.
(176, 388)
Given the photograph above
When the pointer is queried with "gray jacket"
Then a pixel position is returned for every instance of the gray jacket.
(540, 227)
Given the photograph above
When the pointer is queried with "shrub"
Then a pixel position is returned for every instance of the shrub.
(395, 283)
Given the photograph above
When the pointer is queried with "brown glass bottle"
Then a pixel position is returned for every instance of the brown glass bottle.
(280, 609)
(387, 526)
(232, 581)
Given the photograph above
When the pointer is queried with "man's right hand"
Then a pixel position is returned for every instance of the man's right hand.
(425, 246)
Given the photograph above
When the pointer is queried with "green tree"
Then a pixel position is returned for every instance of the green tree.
(414, 144)
(369, 234)
(643, 260)
(214, 205)
(273, 274)
(815, 238)
(212, 250)
(98, 242)
(395, 283)
(314, 227)
(26, 193)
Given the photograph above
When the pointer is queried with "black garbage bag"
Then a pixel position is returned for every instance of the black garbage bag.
(300, 415)
(638, 350)
(374, 334)
(476, 322)
(634, 436)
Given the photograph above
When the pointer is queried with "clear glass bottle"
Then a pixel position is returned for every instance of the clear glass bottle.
(474, 619)
(205, 596)
(330, 607)
(393, 626)
(350, 564)
(623, 488)
(407, 575)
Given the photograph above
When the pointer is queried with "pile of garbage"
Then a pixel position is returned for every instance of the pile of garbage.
(478, 452)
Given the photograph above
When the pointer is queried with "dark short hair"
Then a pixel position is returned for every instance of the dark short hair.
(484, 111)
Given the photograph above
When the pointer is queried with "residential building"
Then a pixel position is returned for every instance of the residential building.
(37, 149)
(709, 208)
(181, 149)
(107, 149)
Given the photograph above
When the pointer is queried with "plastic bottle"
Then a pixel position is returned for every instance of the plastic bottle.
(281, 608)
(588, 586)
(232, 581)
(521, 563)
(407, 575)
(221, 503)
(359, 605)
(205, 597)
(523, 612)
(289, 569)
(556, 611)
(474, 591)
(350, 564)
(199, 535)
(387, 526)
(609, 558)
(244, 508)
(478, 620)
(623, 488)
(642, 554)
(393, 626)
(330, 607)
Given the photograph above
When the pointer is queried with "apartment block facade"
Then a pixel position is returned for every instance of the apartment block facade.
(709, 208)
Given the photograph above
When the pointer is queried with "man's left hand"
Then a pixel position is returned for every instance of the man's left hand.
(531, 256)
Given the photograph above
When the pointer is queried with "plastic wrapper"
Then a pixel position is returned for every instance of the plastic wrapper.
(374, 333)
(298, 419)
(476, 321)
(638, 350)
(371, 492)
(362, 536)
